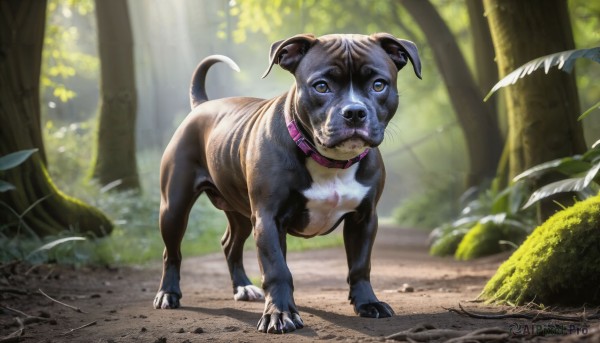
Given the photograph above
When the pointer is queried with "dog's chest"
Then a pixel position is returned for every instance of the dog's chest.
(333, 193)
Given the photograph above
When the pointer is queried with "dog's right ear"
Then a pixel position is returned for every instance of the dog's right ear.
(288, 52)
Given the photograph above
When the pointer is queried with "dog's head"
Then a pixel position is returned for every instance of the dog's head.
(346, 90)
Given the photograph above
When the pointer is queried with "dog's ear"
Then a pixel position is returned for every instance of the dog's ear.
(288, 52)
(399, 50)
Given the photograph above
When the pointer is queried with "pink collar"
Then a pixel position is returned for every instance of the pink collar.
(309, 150)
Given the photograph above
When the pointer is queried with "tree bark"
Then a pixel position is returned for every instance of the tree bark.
(542, 109)
(116, 159)
(486, 70)
(41, 206)
(484, 142)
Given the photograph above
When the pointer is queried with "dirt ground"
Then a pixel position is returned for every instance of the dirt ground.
(116, 304)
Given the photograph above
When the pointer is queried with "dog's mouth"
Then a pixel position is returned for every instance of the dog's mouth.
(345, 145)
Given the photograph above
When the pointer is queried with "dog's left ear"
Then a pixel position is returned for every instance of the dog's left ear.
(288, 52)
(399, 50)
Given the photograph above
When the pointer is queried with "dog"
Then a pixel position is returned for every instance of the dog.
(299, 164)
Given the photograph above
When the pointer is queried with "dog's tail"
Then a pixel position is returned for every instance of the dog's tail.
(197, 88)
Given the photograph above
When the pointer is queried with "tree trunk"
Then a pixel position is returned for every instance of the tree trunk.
(542, 109)
(484, 143)
(116, 159)
(486, 70)
(22, 24)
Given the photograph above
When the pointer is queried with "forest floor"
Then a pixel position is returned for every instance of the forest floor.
(115, 305)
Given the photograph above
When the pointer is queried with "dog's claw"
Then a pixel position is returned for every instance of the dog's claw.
(278, 322)
(249, 293)
(375, 310)
(165, 300)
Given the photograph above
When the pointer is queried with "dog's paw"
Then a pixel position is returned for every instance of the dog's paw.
(249, 293)
(165, 300)
(375, 310)
(279, 322)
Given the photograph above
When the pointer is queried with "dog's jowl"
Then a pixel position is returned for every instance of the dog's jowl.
(297, 164)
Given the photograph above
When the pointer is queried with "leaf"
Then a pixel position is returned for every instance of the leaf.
(589, 110)
(567, 165)
(5, 186)
(591, 175)
(592, 154)
(568, 185)
(14, 159)
(563, 60)
(54, 243)
(497, 219)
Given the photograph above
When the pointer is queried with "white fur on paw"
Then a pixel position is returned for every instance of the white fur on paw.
(249, 293)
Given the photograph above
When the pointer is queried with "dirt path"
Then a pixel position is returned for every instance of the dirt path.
(119, 301)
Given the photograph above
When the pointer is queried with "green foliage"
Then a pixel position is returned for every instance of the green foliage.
(62, 58)
(581, 177)
(557, 264)
(10, 161)
(580, 171)
(564, 60)
(487, 221)
(489, 237)
(447, 240)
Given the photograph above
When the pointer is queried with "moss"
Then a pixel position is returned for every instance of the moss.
(447, 244)
(484, 239)
(558, 264)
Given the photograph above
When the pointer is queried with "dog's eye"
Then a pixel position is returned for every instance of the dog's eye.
(379, 85)
(321, 87)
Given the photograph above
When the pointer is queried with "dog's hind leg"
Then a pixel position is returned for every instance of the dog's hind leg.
(239, 229)
(178, 194)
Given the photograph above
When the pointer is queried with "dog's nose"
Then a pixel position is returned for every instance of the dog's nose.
(354, 114)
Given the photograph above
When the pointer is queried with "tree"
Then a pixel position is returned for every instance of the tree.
(484, 143)
(542, 109)
(115, 160)
(486, 71)
(36, 202)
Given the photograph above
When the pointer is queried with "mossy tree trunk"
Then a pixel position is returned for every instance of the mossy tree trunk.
(22, 24)
(542, 109)
(484, 142)
(115, 159)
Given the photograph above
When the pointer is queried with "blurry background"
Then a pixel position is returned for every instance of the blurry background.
(425, 151)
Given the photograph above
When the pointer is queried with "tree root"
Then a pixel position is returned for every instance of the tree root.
(428, 333)
(531, 315)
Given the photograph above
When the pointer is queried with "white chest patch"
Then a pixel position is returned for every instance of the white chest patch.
(333, 193)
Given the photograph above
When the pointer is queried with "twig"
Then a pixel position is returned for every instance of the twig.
(79, 328)
(13, 290)
(32, 269)
(533, 316)
(28, 319)
(16, 311)
(76, 309)
(15, 336)
(48, 274)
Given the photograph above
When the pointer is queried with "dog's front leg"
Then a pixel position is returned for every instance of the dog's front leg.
(280, 314)
(359, 235)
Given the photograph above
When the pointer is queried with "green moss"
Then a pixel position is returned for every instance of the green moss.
(484, 239)
(557, 264)
(447, 244)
